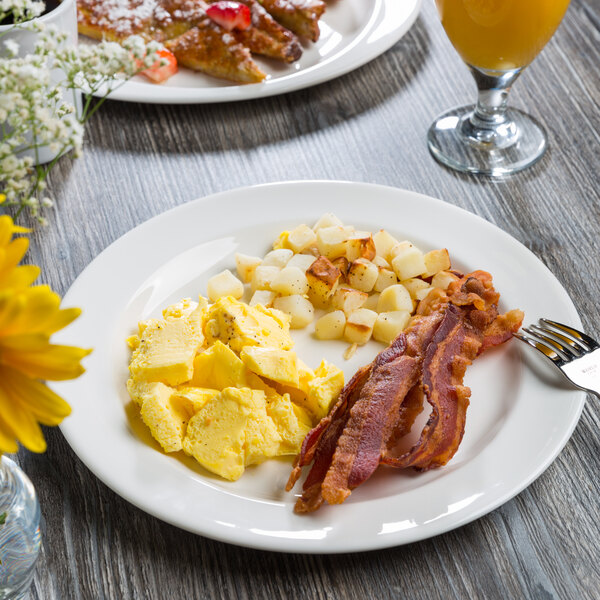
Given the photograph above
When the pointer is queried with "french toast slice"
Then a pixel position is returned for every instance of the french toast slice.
(300, 16)
(207, 48)
(267, 37)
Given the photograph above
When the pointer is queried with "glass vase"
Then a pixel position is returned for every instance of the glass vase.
(19, 530)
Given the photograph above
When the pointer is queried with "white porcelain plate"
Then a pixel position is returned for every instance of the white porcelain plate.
(353, 32)
(519, 419)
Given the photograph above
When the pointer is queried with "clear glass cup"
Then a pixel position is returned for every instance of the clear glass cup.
(497, 39)
(20, 538)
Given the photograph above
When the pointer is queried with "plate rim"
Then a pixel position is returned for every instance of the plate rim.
(135, 91)
(385, 541)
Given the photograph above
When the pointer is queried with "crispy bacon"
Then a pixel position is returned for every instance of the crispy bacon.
(381, 402)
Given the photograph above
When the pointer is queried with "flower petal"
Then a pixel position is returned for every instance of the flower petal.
(21, 421)
(26, 341)
(54, 362)
(63, 318)
(19, 277)
(8, 440)
(39, 305)
(47, 406)
(13, 253)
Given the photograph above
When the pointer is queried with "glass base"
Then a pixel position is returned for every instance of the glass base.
(19, 530)
(458, 141)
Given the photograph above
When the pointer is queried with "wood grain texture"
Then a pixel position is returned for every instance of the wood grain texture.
(369, 125)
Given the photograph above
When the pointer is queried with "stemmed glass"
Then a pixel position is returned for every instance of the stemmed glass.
(497, 39)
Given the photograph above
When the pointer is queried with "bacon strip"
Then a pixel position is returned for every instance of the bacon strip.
(380, 404)
(450, 352)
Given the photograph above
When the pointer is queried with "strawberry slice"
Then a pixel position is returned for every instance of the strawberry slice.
(230, 15)
(159, 73)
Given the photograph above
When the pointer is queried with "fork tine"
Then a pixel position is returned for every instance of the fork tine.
(569, 346)
(562, 352)
(546, 350)
(575, 333)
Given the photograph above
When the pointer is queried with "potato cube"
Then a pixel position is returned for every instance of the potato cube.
(343, 265)
(423, 293)
(323, 278)
(264, 297)
(331, 325)
(436, 261)
(408, 261)
(348, 299)
(302, 261)
(263, 276)
(372, 301)
(384, 242)
(385, 278)
(301, 237)
(277, 258)
(360, 245)
(395, 297)
(359, 326)
(331, 241)
(443, 279)
(389, 325)
(413, 285)
(381, 262)
(290, 281)
(363, 275)
(224, 284)
(298, 308)
(245, 266)
(327, 220)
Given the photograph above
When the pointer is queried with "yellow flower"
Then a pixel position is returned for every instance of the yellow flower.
(28, 317)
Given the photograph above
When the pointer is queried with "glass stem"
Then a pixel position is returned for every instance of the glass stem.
(488, 123)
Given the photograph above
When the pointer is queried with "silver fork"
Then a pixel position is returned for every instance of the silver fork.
(576, 354)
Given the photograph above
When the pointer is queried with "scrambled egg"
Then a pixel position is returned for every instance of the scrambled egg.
(222, 384)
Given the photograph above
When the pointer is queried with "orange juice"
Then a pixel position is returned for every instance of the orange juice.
(500, 35)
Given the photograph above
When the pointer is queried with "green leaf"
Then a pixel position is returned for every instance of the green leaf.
(3, 518)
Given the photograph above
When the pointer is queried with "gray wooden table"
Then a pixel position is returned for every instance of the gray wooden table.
(369, 125)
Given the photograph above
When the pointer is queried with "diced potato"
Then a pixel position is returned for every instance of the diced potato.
(360, 245)
(224, 284)
(277, 258)
(413, 285)
(348, 299)
(290, 281)
(395, 297)
(423, 293)
(341, 262)
(363, 275)
(331, 241)
(327, 220)
(331, 325)
(302, 237)
(385, 278)
(245, 266)
(443, 279)
(298, 308)
(264, 297)
(263, 276)
(372, 301)
(389, 325)
(381, 262)
(323, 278)
(302, 261)
(359, 326)
(436, 261)
(384, 242)
(408, 261)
